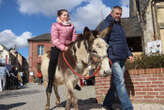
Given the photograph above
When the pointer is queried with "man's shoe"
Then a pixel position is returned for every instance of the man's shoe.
(77, 87)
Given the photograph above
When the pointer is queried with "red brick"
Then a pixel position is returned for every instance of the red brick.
(140, 93)
(152, 93)
(162, 97)
(161, 86)
(157, 82)
(151, 79)
(147, 89)
(158, 75)
(162, 78)
(161, 93)
(149, 97)
(159, 89)
(141, 79)
(152, 86)
(140, 86)
(138, 97)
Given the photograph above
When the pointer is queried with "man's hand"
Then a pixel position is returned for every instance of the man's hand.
(131, 59)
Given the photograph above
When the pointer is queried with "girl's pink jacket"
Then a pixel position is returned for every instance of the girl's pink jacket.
(62, 35)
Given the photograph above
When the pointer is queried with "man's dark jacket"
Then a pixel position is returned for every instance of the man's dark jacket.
(118, 48)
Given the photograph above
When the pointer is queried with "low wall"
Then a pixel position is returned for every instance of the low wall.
(143, 85)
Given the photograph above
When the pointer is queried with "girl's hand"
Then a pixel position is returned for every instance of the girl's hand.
(65, 49)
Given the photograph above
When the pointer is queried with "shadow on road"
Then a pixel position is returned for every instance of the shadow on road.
(85, 104)
(17, 93)
(7, 107)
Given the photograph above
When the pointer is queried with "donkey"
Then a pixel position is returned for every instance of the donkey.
(79, 55)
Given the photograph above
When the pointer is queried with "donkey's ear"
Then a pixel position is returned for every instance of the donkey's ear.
(88, 35)
(87, 32)
(106, 31)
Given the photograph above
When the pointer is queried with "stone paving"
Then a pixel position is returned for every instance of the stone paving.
(32, 97)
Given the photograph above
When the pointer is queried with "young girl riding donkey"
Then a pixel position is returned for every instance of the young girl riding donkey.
(79, 55)
(62, 35)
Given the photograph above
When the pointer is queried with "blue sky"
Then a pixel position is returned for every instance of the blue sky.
(24, 19)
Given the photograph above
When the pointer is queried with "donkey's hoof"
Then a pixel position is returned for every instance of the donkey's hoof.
(57, 103)
(47, 108)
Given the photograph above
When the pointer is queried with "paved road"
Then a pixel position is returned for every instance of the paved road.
(32, 97)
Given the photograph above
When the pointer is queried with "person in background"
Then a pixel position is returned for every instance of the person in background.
(3, 73)
(62, 35)
(39, 76)
(118, 52)
(15, 74)
(20, 81)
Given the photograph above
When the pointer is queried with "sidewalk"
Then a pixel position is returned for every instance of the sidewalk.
(32, 97)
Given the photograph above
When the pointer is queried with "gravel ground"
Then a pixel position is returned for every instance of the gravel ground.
(32, 97)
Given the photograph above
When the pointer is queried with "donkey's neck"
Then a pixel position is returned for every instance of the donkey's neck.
(78, 56)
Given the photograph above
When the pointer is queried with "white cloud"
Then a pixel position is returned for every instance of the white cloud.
(82, 15)
(9, 39)
(46, 7)
(90, 15)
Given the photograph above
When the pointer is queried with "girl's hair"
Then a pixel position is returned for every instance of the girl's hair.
(60, 12)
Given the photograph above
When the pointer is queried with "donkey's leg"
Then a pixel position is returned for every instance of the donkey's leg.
(56, 94)
(71, 98)
(74, 100)
(48, 94)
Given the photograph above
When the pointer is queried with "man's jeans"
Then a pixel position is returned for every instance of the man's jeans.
(118, 87)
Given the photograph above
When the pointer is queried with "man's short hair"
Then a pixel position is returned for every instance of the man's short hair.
(118, 7)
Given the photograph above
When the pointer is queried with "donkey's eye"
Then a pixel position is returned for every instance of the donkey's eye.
(98, 46)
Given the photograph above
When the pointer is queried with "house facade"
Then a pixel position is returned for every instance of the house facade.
(13, 58)
(151, 15)
(4, 55)
(37, 47)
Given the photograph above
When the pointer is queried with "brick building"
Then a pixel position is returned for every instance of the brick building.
(38, 46)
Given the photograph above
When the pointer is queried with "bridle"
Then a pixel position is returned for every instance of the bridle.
(98, 67)
(78, 74)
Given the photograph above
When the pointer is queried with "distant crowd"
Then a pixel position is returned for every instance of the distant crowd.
(10, 78)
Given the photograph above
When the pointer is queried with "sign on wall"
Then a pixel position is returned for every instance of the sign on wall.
(154, 47)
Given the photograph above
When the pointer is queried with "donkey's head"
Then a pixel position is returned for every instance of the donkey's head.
(97, 49)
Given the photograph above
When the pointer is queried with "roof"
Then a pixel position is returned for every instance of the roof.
(4, 47)
(131, 27)
(42, 37)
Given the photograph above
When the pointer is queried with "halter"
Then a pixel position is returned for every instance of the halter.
(78, 74)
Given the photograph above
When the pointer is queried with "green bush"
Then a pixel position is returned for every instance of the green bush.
(143, 61)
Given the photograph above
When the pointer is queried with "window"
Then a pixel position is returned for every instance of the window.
(40, 49)
(135, 44)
